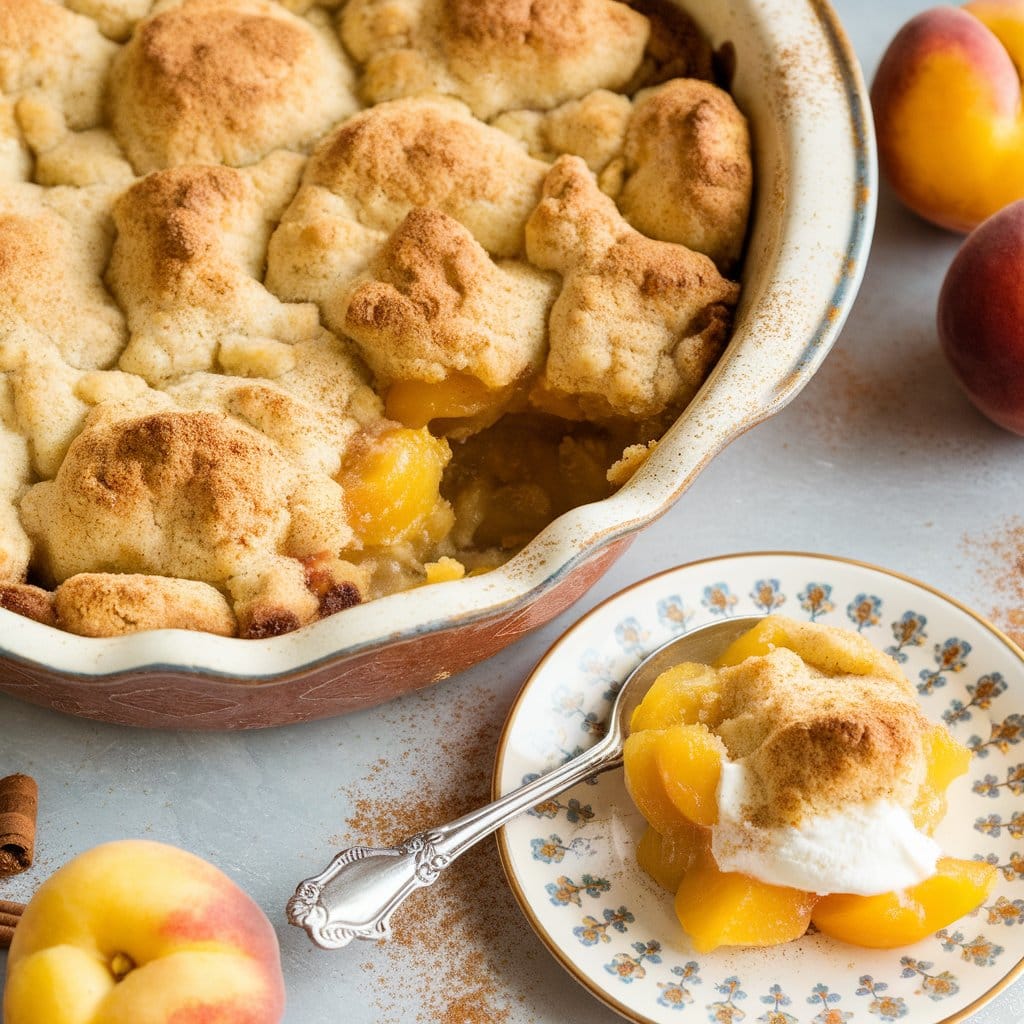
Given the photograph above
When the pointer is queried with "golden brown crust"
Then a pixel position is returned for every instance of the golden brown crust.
(638, 322)
(175, 493)
(435, 304)
(172, 408)
(115, 604)
(53, 246)
(430, 152)
(32, 602)
(494, 54)
(366, 177)
(688, 172)
(186, 262)
(835, 724)
(224, 81)
(59, 56)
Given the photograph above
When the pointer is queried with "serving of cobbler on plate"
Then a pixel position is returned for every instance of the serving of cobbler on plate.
(304, 304)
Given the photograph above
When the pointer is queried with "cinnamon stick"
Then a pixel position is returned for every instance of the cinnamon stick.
(10, 914)
(19, 801)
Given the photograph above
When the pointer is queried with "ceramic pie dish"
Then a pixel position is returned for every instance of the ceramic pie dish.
(798, 82)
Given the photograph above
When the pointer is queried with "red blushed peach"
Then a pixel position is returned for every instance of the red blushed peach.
(981, 317)
(947, 106)
(138, 932)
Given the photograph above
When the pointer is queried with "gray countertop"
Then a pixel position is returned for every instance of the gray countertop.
(879, 459)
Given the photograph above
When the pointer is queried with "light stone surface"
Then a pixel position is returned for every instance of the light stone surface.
(879, 459)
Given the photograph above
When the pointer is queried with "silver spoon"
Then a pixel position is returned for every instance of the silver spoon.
(356, 894)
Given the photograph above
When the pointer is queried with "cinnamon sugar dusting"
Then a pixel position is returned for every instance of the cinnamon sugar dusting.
(998, 556)
(452, 943)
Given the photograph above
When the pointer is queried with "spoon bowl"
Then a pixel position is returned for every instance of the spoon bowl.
(356, 894)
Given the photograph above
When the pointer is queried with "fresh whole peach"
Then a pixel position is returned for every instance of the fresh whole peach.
(137, 932)
(981, 317)
(947, 106)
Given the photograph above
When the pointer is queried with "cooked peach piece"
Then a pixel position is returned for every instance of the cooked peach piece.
(415, 403)
(757, 641)
(947, 758)
(682, 695)
(644, 782)
(690, 764)
(667, 857)
(909, 915)
(725, 908)
(391, 483)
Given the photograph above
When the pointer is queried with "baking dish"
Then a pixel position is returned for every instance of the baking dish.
(799, 84)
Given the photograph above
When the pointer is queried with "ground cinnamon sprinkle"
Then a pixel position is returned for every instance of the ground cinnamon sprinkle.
(452, 942)
(999, 557)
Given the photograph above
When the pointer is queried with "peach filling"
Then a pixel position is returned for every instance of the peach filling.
(391, 483)
(458, 397)
(673, 762)
(900, 918)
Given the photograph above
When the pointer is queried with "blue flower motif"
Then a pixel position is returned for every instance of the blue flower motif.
(957, 712)
(986, 689)
(991, 826)
(719, 599)
(979, 950)
(596, 668)
(690, 971)
(776, 996)
(631, 636)
(820, 993)
(673, 995)
(864, 610)
(576, 812)
(731, 988)
(987, 786)
(1004, 911)
(550, 850)
(618, 919)
(907, 631)
(672, 614)
(887, 1007)
(626, 968)
(815, 599)
(1002, 735)
(950, 656)
(766, 595)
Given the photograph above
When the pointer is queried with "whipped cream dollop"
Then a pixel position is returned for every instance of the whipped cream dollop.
(863, 849)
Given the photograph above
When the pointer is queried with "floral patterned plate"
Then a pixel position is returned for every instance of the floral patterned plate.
(571, 861)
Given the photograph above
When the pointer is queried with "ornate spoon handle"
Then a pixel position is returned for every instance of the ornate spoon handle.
(356, 894)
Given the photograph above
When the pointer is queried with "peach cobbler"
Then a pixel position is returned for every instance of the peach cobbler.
(303, 303)
(798, 781)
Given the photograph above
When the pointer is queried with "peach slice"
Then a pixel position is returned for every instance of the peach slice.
(908, 915)
(672, 775)
(391, 483)
(758, 641)
(947, 759)
(725, 908)
(690, 764)
(682, 695)
(416, 403)
(666, 858)
(644, 782)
